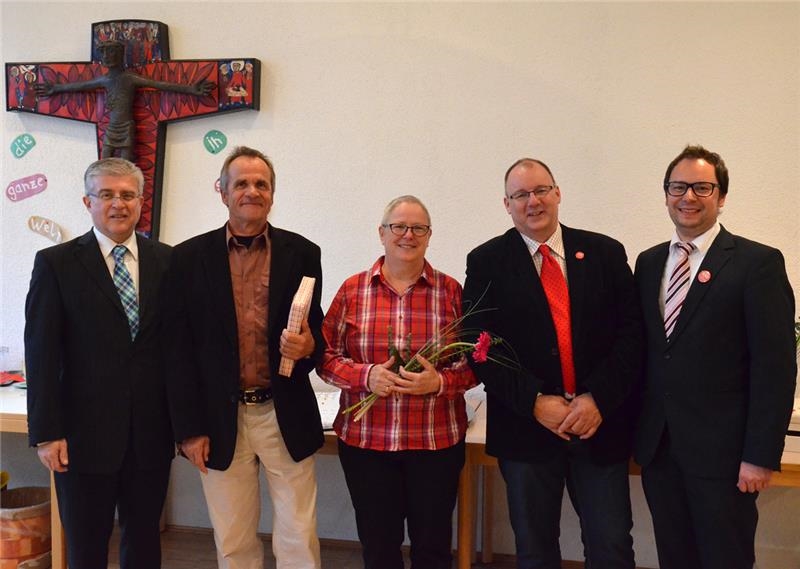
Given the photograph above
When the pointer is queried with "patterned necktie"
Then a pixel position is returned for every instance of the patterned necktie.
(125, 288)
(555, 289)
(678, 286)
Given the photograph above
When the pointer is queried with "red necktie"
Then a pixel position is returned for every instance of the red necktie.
(555, 289)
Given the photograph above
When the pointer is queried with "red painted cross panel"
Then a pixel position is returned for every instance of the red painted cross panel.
(133, 94)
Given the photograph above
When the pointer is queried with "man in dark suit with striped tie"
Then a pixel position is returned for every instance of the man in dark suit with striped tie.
(97, 408)
(720, 374)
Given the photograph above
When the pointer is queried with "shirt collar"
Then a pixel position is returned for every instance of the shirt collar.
(375, 275)
(107, 244)
(555, 242)
(230, 238)
(702, 242)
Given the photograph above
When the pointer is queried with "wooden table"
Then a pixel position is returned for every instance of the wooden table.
(14, 419)
(477, 461)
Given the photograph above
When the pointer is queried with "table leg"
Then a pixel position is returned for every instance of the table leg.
(466, 516)
(487, 548)
(58, 545)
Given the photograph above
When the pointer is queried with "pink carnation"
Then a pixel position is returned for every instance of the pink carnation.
(481, 352)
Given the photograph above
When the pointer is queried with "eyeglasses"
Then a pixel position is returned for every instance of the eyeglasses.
(107, 196)
(524, 195)
(401, 228)
(700, 189)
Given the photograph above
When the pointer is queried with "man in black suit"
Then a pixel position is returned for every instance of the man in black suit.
(230, 293)
(565, 414)
(720, 374)
(97, 407)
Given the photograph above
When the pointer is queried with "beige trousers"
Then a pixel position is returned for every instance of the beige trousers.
(234, 503)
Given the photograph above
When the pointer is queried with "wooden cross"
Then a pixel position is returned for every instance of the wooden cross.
(133, 94)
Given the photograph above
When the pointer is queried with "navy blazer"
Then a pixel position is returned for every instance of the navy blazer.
(203, 355)
(724, 384)
(87, 380)
(606, 337)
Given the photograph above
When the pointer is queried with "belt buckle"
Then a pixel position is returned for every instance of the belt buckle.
(250, 396)
(255, 395)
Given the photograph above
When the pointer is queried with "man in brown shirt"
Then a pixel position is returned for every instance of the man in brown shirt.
(230, 294)
(249, 262)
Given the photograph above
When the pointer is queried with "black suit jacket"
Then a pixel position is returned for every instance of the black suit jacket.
(87, 381)
(724, 384)
(606, 336)
(203, 355)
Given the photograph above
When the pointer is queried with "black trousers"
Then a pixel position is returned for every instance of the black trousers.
(699, 523)
(87, 502)
(389, 489)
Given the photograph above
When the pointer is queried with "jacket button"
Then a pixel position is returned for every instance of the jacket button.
(553, 351)
(667, 356)
(234, 398)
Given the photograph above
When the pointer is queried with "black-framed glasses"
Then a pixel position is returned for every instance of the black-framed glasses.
(401, 228)
(539, 193)
(107, 196)
(700, 189)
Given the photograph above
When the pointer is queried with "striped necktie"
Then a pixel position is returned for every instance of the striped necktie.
(125, 289)
(678, 286)
(555, 289)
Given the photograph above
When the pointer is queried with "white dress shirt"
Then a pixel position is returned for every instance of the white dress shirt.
(556, 244)
(131, 259)
(702, 244)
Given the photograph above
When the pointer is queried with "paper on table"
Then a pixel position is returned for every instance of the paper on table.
(474, 398)
(328, 403)
(301, 304)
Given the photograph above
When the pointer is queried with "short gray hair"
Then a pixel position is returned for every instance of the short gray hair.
(238, 152)
(112, 167)
(403, 199)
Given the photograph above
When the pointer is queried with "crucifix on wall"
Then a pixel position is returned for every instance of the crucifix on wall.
(130, 91)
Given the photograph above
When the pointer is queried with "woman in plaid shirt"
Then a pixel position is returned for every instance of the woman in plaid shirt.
(402, 459)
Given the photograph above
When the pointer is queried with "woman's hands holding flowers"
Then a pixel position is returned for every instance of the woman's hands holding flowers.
(416, 374)
(382, 379)
(426, 381)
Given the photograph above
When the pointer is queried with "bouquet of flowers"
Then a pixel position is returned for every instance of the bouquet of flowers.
(448, 346)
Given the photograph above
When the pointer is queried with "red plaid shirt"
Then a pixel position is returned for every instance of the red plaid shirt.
(356, 330)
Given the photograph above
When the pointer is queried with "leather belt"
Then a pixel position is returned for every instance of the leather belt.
(255, 395)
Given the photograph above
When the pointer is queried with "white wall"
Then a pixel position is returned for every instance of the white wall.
(362, 102)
